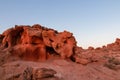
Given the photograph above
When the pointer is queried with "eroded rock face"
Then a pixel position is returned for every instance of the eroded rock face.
(37, 42)
(104, 53)
(1, 38)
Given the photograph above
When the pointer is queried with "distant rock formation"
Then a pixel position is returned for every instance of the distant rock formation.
(85, 56)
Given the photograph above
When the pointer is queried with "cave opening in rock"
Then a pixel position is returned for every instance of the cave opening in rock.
(50, 50)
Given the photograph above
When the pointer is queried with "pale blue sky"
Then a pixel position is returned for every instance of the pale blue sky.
(93, 22)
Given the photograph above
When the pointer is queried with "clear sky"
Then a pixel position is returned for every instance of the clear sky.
(93, 22)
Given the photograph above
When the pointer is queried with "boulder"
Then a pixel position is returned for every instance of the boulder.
(41, 73)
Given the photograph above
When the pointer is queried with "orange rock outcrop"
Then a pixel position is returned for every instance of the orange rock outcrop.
(37, 42)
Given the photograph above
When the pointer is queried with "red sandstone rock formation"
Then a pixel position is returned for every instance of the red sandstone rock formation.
(85, 56)
(37, 42)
